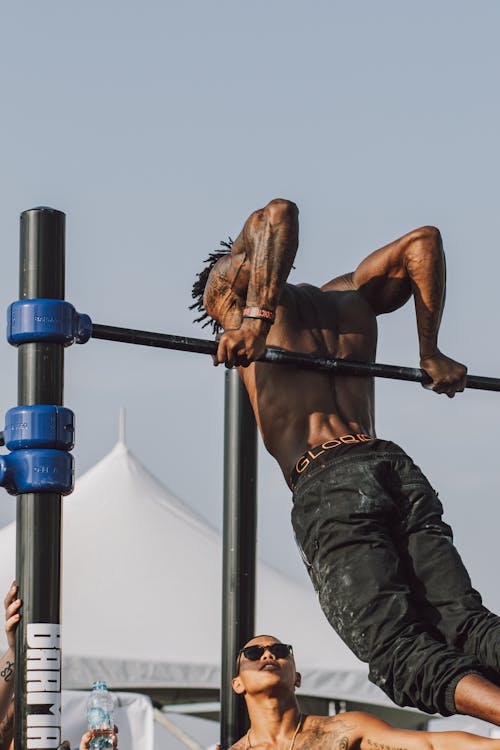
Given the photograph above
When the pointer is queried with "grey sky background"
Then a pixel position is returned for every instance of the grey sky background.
(159, 126)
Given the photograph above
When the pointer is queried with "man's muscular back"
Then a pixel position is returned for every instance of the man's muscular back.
(297, 409)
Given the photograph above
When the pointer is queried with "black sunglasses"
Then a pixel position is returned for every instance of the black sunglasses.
(278, 650)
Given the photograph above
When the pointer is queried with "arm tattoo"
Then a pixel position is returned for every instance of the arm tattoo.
(339, 734)
(7, 728)
(383, 745)
(8, 671)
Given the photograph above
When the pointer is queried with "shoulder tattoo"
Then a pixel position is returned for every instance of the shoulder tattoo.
(332, 737)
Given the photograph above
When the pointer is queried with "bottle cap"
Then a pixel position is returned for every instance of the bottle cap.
(99, 686)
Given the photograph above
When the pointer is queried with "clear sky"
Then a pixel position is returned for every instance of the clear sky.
(159, 126)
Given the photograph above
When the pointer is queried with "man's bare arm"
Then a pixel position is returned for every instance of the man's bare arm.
(413, 265)
(399, 739)
(273, 236)
(268, 245)
(377, 735)
(12, 617)
(7, 728)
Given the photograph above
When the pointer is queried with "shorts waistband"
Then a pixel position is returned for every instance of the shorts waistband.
(311, 456)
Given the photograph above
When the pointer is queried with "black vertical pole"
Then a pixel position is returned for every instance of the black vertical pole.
(38, 553)
(239, 544)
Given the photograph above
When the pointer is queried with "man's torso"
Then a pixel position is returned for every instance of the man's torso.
(341, 732)
(297, 409)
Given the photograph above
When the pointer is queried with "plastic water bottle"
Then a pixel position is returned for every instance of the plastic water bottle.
(100, 717)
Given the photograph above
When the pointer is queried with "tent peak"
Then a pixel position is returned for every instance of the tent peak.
(119, 449)
(122, 416)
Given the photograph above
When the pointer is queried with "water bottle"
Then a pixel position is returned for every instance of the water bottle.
(100, 717)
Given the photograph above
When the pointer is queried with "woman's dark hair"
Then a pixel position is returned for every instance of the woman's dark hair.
(201, 282)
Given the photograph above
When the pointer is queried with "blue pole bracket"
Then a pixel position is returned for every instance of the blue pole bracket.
(39, 426)
(39, 470)
(50, 320)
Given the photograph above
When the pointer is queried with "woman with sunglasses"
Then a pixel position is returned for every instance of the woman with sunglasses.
(267, 678)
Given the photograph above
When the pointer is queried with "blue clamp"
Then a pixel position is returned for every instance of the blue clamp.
(39, 426)
(51, 320)
(41, 470)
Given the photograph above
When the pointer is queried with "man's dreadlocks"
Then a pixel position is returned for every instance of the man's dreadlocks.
(201, 282)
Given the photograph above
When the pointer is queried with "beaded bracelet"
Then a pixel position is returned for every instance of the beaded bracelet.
(260, 313)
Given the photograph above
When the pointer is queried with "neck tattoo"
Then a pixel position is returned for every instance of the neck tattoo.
(248, 744)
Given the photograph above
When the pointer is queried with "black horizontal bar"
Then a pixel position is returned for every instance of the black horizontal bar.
(283, 357)
(149, 338)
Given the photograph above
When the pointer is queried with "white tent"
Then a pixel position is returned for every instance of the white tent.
(142, 595)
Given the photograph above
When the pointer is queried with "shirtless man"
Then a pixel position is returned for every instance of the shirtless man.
(267, 679)
(366, 520)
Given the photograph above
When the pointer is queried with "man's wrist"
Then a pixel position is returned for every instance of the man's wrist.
(9, 654)
(257, 325)
(429, 353)
(259, 313)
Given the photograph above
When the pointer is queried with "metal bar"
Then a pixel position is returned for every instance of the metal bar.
(239, 548)
(38, 548)
(149, 338)
(283, 357)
